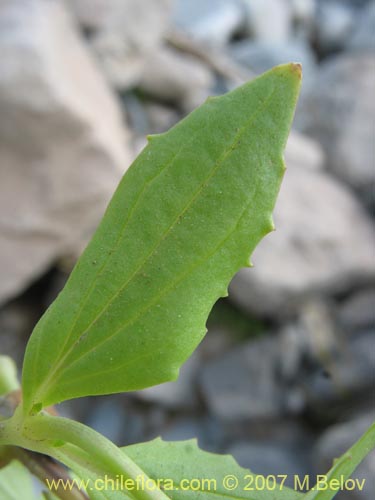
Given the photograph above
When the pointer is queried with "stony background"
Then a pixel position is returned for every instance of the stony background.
(285, 377)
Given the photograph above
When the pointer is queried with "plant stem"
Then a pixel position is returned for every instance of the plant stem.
(44, 433)
(345, 465)
(46, 471)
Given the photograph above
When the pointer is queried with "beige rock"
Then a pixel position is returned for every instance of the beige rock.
(303, 151)
(62, 142)
(123, 33)
(172, 76)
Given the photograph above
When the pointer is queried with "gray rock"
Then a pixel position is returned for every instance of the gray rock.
(269, 20)
(270, 458)
(123, 34)
(160, 118)
(175, 395)
(173, 77)
(303, 12)
(108, 418)
(60, 160)
(17, 320)
(323, 242)
(241, 384)
(325, 370)
(303, 151)
(210, 21)
(334, 23)
(206, 430)
(116, 418)
(335, 441)
(363, 36)
(262, 55)
(339, 112)
(358, 311)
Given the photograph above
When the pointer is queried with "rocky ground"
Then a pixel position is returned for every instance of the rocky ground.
(285, 378)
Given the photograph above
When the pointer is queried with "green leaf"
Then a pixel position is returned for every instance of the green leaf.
(179, 465)
(8, 375)
(16, 482)
(184, 219)
(330, 484)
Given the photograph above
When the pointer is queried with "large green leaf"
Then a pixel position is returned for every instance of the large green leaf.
(184, 219)
(188, 473)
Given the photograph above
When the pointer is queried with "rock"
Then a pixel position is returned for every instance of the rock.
(339, 112)
(241, 385)
(304, 151)
(175, 395)
(324, 371)
(121, 423)
(206, 430)
(123, 33)
(269, 20)
(92, 15)
(212, 22)
(303, 12)
(60, 160)
(269, 458)
(262, 55)
(334, 23)
(358, 311)
(173, 77)
(363, 35)
(350, 371)
(161, 118)
(335, 441)
(324, 242)
(217, 342)
(17, 320)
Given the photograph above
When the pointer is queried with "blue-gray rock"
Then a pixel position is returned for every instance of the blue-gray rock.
(210, 21)
(358, 311)
(363, 36)
(272, 458)
(334, 23)
(208, 431)
(339, 112)
(179, 394)
(242, 384)
(262, 55)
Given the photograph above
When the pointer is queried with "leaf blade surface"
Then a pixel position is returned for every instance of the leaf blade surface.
(212, 477)
(185, 217)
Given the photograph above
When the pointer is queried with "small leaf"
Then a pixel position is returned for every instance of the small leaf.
(212, 477)
(184, 219)
(8, 375)
(330, 484)
(16, 482)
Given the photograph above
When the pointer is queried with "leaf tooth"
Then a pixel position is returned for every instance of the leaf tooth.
(152, 137)
(249, 262)
(211, 99)
(224, 292)
(270, 225)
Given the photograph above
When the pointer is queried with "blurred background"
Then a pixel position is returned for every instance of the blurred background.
(285, 378)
